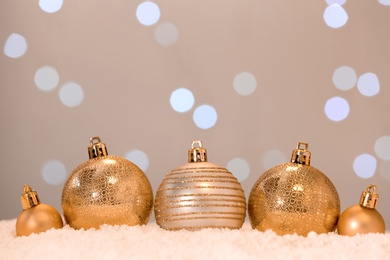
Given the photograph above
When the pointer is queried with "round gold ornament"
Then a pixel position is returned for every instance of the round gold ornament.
(362, 218)
(36, 217)
(294, 197)
(106, 189)
(200, 195)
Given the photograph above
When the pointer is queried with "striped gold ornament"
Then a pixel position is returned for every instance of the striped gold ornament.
(200, 195)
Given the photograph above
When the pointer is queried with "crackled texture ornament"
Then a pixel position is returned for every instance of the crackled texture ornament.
(200, 195)
(36, 217)
(362, 218)
(106, 189)
(294, 197)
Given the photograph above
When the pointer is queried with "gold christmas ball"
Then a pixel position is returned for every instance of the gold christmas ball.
(36, 217)
(106, 189)
(294, 198)
(362, 218)
(200, 195)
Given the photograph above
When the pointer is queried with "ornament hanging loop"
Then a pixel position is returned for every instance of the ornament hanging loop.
(197, 153)
(29, 198)
(369, 198)
(96, 149)
(93, 139)
(198, 143)
(301, 155)
(372, 188)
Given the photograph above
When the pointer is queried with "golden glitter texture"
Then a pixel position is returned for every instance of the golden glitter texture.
(294, 198)
(106, 189)
(200, 195)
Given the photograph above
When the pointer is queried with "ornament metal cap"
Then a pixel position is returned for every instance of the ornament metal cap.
(29, 198)
(96, 149)
(301, 155)
(369, 198)
(197, 153)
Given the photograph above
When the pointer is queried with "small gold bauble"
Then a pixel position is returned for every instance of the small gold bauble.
(200, 195)
(362, 218)
(294, 198)
(106, 189)
(36, 217)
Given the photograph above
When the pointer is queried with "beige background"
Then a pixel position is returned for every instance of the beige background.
(128, 77)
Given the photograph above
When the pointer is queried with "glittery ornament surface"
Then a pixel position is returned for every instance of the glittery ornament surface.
(107, 190)
(294, 198)
(200, 195)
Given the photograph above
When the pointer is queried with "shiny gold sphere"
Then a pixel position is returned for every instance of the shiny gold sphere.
(360, 220)
(37, 219)
(200, 195)
(294, 198)
(107, 190)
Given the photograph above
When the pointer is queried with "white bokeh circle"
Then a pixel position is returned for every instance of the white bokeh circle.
(244, 83)
(340, 2)
(384, 2)
(272, 158)
(46, 78)
(182, 100)
(344, 78)
(71, 94)
(382, 147)
(335, 16)
(138, 157)
(336, 109)
(364, 166)
(368, 84)
(239, 168)
(166, 34)
(148, 13)
(54, 172)
(205, 116)
(50, 6)
(15, 46)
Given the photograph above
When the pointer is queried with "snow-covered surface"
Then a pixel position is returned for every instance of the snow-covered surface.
(152, 242)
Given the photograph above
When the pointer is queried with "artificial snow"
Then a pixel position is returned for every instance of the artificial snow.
(152, 242)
